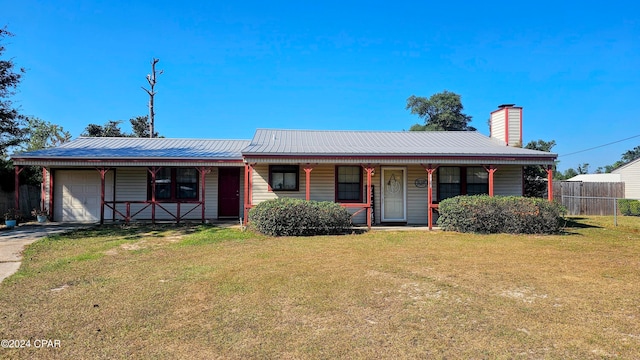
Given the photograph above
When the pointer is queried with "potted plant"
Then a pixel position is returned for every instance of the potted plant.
(11, 217)
(40, 214)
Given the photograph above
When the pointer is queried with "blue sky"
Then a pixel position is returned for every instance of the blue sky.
(231, 67)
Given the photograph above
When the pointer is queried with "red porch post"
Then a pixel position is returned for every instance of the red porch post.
(103, 172)
(51, 209)
(370, 171)
(307, 170)
(491, 169)
(42, 192)
(203, 172)
(430, 170)
(247, 192)
(153, 171)
(549, 182)
(18, 169)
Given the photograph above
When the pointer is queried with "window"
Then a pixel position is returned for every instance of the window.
(349, 183)
(454, 181)
(186, 183)
(448, 182)
(175, 184)
(284, 177)
(477, 181)
(163, 184)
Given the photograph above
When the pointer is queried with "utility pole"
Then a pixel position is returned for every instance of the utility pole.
(151, 79)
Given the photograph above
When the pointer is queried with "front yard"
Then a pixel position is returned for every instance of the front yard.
(206, 292)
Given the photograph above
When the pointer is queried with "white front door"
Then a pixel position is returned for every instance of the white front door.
(394, 194)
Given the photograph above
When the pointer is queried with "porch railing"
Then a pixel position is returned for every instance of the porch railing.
(127, 215)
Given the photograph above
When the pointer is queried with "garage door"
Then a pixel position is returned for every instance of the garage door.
(77, 195)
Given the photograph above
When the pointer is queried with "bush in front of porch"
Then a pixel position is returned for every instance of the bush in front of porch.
(501, 214)
(295, 217)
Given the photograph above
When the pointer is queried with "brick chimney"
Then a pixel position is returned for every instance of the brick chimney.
(506, 124)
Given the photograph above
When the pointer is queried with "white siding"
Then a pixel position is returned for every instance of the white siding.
(260, 182)
(211, 195)
(498, 125)
(377, 199)
(514, 126)
(322, 187)
(131, 185)
(46, 187)
(417, 196)
(630, 175)
(321, 180)
(507, 181)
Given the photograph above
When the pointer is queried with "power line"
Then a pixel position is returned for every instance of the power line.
(599, 146)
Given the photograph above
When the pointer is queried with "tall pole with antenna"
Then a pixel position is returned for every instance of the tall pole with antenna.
(151, 79)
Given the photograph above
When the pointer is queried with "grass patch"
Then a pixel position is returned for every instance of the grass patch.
(206, 234)
(208, 292)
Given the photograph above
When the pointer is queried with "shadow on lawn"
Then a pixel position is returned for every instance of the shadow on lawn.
(134, 231)
(577, 223)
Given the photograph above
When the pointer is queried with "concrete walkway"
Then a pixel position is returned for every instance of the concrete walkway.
(13, 242)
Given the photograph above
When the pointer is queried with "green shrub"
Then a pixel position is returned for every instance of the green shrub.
(629, 207)
(500, 214)
(295, 217)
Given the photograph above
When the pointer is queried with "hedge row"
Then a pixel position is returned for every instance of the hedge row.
(500, 214)
(629, 207)
(295, 217)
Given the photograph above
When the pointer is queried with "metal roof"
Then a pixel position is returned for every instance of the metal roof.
(157, 149)
(273, 142)
(270, 145)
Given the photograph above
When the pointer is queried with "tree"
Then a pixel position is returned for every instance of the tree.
(110, 129)
(151, 79)
(12, 130)
(569, 173)
(39, 135)
(631, 155)
(535, 177)
(627, 157)
(441, 112)
(42, 134)
(140, 127)
(583, 168)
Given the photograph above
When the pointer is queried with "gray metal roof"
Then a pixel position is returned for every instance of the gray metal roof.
(110, 148)
(272, 142)
(293, 145)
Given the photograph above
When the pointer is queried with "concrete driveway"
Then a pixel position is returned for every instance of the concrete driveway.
(13, 241)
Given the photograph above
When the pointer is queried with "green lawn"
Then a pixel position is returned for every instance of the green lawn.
(205, 292)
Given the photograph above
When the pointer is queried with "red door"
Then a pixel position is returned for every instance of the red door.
(229, 192)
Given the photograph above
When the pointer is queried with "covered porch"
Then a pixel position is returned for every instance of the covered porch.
(417, 181)
(126, 179)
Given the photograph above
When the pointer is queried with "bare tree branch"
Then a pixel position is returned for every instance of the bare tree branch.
(151, 79)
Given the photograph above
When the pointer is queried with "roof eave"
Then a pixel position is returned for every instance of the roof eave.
(410, 155)
(38, 161)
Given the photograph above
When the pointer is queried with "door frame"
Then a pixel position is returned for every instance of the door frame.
(383, 187)
(228, 170)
